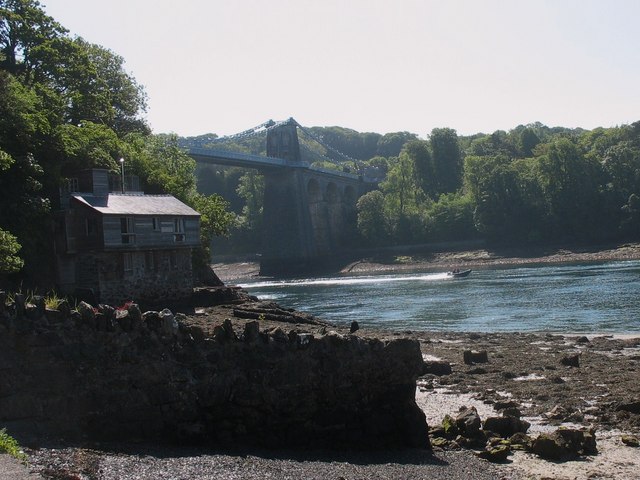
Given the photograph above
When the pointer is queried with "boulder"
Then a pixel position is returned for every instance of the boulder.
(506, 426)
(630, 441)
(495, 453)
(520, 441)
(565, 443)
(472, 356)
(468, 421)
(571, 360)
(135, 314)
(251, 332)
(436, 367)
(631, 407)
(152, 320)
(449, 427)
(123, 319)
(87, 314)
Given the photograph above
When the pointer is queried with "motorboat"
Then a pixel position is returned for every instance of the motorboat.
(459, 273)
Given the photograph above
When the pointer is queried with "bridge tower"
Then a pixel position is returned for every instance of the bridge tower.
(288, 239)
(282, 142)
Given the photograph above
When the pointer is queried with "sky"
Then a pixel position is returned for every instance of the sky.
(223, 66)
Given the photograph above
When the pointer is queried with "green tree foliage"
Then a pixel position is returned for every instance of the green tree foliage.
(570, 182)
(10, 262)
(215, 220)
(247, 231)
(251, 189)
(506, 198)
(451, 218)
(390, 144)
(399, 187)
(68, 105)
(528, 140)
(423, 169)
(447, 159)
(372, 223)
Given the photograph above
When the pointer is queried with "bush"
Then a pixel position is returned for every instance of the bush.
(9, 445)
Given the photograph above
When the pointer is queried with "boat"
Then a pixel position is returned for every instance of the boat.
(459, 273)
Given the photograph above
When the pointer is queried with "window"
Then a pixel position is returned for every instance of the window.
(178, 229)
(155, 221)
(126, 230)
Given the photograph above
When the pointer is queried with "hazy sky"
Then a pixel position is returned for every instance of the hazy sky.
(223, 66)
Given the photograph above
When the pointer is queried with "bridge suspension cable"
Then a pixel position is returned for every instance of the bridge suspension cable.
(257, 130)
(320, 140)
(269, 124)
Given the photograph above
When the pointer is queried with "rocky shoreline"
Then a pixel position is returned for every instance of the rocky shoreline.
(587, 383)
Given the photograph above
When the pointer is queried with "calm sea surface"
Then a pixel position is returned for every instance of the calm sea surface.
(580, 298)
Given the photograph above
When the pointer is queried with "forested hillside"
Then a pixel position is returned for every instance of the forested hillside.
(531, 185)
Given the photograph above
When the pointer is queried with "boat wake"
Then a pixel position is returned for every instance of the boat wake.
(380, 279)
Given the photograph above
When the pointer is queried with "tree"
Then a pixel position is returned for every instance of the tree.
(251, 189)
(10, 262)
(451, 218)
(215, 220)
(528, 140)
(390, 144)
(399, 186)
(423, 168)
(372, 223)
(506, 197)
(79, 81)
(27, 35)
(447, 159)
(401, 201)
(570, 184)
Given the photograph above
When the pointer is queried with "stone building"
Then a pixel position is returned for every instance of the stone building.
(116, 247)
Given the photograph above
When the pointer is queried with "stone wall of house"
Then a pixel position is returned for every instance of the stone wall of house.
(105, 374)
(151, 277)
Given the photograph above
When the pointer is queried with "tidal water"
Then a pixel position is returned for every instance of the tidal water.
(574, 298)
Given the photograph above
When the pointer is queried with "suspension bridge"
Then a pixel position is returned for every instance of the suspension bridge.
(309, 213)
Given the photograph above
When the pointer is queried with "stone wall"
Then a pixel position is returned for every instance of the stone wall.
(151, 277)
(101, 374)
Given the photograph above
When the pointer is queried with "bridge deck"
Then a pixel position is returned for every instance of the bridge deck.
(259, 162)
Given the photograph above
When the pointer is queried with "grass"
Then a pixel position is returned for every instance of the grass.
(9, 445)
(52, 301)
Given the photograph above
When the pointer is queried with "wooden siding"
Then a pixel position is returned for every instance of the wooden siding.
(145, 236)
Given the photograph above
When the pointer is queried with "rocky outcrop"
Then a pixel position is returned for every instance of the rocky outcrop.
(497, 437)
(120, 374)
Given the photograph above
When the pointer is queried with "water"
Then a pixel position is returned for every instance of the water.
(577, 298)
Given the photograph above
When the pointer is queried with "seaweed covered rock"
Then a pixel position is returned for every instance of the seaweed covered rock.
(565, 443)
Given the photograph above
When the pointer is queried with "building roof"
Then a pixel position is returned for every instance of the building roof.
(136, 204)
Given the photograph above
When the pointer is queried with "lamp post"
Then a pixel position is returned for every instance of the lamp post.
(122, 170)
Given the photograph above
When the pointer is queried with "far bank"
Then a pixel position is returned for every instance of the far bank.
(438, 258)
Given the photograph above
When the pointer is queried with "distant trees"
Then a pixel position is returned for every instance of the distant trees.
(533, 184)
